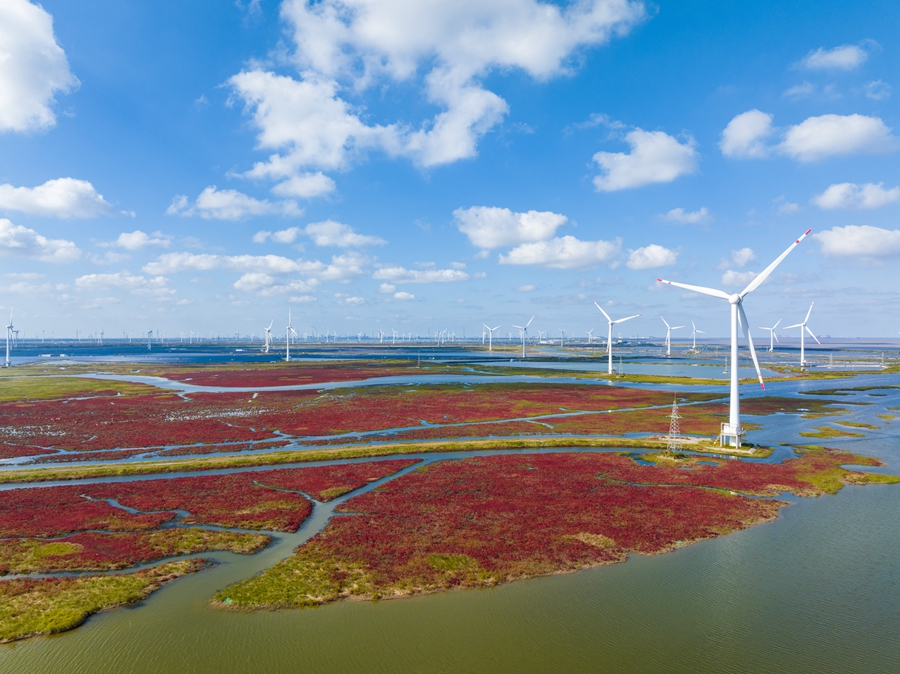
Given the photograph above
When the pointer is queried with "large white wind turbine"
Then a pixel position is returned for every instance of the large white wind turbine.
(803, 329)
(287, 342)
(524, 330)
(733, 428)
(611, 323)
(669, 329)
(772, 336)
(269, 336)
(9, 331)
(490, 335)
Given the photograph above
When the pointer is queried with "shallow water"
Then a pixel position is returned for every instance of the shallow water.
(817, 590)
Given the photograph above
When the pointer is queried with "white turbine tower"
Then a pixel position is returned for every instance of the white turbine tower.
(287, 342)
(9, 331)
(803, 329)
(694, 336)
(590, 334)
(490, 336)
(733, 428)
(772, 336)
(268, 337)
(524, 331)
(611, 323)
(669, 329)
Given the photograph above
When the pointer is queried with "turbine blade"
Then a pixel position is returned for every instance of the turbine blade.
(529, 321)
(666, 322)
(622, 320)
(796, 325)
(596, 305)
(697, 289)
(776, 324)
(492, 329)
(745, 327)
(806, 320)
(776, 338)
(812, 335)
(764, 274)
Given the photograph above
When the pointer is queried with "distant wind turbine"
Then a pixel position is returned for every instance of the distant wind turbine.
(611, 323)
(694, 336)
(288, 331)
(524, 331)
(803, 329)
(268, 336)
(772, 336)
(490, 336)
(669, 329)
(733, 428)
(9, 331)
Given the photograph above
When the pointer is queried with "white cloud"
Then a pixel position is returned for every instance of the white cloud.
(651, 257)
(25, 242)
(305, 186)
(526, 288)
(386, 288)
(819, 137)
(738, 279)
(851, 195)
(565, 252)
(491, 227)
(266, 285)
(745, 135)
(303, 299)
(60, 198)
(799, 91)
(788, 207)
(404, 296)
(155, 287)
(655, 157)
(399, 274)
(347, 47)
(861, 241)
(353, 301)
(331, 233)
(877, 90)
(341, 267)
(137, 239)
(743, 256)
(844, 57)
(229, 205)
(813, 139)
(688, 217)
(33, 67)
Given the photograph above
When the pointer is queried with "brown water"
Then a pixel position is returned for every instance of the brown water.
(817, 590)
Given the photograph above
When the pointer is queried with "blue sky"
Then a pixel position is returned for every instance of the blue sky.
(428, 165)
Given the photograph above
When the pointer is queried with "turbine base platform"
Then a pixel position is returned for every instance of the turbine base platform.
(730, 435)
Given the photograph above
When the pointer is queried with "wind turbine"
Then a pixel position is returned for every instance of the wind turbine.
(524, 330)
(9, 331)
(669, 329)
(287, 341)
(611, 323)
(590, 334)
(694, 336)
(490, 336)
(803, 328)
(772, 336)
(268, 336)
(149, 339)
(733, 428)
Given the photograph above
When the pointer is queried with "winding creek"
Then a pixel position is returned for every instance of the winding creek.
(816, 590)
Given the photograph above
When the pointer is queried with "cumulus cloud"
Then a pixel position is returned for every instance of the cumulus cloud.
(745, 135)
(844, 57)
(651, 257)
(305, 186)
(877, 90)
(526, 288)
(799, 91)
(341, 267)
(743, 256)
(491, 227)
(397, 274)
(860, 241)
(788, 207)
(565, 252)
(851, 195)
(345, 48)
(137, 239)
(655, 157)
(59, 198)
(24, 242)
(404, 296)
(33, 67)
(688, 217)
(218, 204)
(386, 288)
(353, 301)
(813, 139)
(326, 233)
(155, 287)
(267, 285)
(738, 279)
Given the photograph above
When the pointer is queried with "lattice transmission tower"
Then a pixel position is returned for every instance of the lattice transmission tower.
(674, 444)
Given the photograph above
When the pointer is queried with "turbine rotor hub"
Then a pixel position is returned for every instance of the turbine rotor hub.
(735, 299)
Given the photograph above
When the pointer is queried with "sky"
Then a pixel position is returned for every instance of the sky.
(421, 165)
